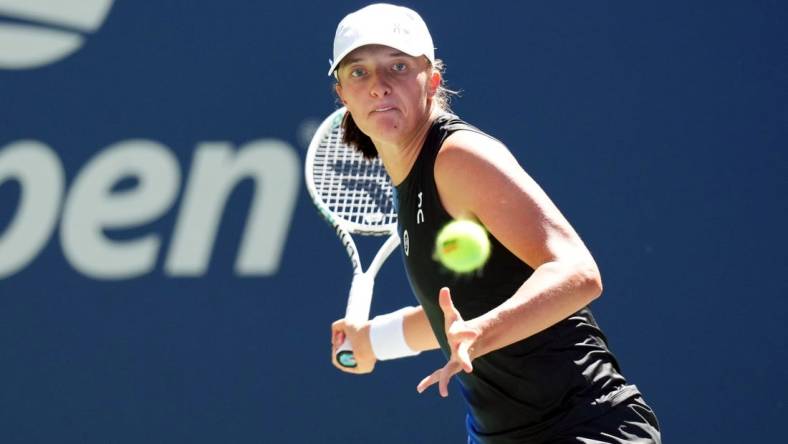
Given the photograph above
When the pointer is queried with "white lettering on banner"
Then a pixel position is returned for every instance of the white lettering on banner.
(40, 174)
(35, 42)
(92, 206)
(216, 170)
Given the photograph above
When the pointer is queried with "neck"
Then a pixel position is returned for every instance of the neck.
(398, 158)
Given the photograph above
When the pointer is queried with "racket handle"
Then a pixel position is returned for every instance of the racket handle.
(359, 302)
(359, 298)
(345, 356)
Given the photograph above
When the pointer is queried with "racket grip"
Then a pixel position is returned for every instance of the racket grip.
(345, 356)
(358, 306)
(359, 299)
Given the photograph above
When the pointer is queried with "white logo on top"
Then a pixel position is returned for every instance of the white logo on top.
(47, 31)
(419, 212)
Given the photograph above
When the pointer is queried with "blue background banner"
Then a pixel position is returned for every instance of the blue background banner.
(164, 277)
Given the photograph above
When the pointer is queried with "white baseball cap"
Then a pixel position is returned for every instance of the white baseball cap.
(382, 24)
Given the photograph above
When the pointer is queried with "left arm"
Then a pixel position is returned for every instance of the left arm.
(513, 208)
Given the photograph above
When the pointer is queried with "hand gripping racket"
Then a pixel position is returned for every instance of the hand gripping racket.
(355, 196)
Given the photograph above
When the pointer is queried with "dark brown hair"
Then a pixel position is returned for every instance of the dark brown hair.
(356, 138)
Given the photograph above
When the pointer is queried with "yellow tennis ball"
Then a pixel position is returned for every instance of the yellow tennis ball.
(462, 246)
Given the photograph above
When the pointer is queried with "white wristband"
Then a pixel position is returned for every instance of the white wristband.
(387, 337)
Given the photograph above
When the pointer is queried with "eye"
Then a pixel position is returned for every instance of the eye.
(399, 67)
(357, 72)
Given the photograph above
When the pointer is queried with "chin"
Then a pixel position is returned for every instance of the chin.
(386, 125)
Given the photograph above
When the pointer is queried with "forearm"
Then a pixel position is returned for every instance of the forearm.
(553, 292)
(418, 332)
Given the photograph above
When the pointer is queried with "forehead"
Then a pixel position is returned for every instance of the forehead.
(368, 52)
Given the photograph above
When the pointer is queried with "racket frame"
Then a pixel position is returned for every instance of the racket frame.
(362, 284)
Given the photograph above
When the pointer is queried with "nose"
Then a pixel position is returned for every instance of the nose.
(380, 86)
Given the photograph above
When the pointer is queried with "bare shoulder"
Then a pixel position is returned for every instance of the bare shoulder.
(469, 167)
(478, 177)
(473, 150)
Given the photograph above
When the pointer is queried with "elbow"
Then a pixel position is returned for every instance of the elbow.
(590, 280)
(596, 286)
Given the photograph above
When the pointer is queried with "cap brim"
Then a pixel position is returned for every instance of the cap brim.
(409, 51)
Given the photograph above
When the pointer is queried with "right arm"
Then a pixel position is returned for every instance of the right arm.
(416, 329)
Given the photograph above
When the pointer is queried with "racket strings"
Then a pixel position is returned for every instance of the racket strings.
(353, 188)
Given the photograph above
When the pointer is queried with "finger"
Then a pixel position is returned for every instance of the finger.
(464, 356)
(459, 331)
(450, 313)
(446, 373)
(428, 381)
(443, 383)
(338, 338)
(338, 332)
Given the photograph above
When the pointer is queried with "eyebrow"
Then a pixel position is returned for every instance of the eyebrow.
(350, 60)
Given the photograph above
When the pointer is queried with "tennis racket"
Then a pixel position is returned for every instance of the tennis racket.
(354, 195)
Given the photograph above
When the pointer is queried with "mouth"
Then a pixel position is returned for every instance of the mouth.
(383, 109)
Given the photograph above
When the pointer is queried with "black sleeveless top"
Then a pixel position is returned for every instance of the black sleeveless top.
(559, 377)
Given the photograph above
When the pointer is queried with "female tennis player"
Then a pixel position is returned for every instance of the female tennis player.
(533, 365)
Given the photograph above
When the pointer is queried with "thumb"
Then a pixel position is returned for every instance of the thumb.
(338, 332)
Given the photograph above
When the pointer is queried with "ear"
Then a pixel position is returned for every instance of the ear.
(338, 89)
(434, 82)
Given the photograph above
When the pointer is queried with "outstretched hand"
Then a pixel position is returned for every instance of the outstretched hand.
(461, 338)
